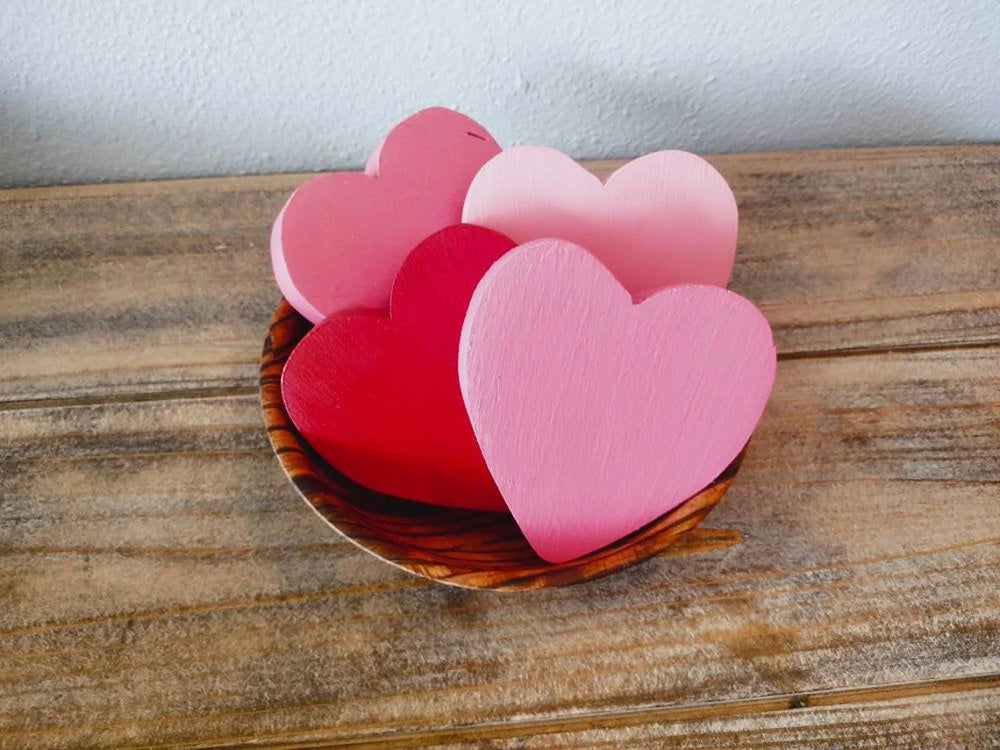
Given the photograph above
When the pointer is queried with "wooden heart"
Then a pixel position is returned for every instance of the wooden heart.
(341, 238)
(597, 414)
(378, 396)
(665, 218)
(451, 545)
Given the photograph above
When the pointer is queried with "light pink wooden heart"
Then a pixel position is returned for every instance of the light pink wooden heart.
(665, 218)
(597, 414)
(341, 237)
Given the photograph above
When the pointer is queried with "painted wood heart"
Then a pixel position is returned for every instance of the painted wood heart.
(596, 413)
(378, 397)
(666, 218)
(341, 238)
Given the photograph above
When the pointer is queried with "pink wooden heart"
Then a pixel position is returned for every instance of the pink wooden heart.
(665, 218)
(341, 237)
(597, 414)
(377, 395)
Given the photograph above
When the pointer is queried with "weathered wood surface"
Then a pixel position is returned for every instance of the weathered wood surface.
(950, 720)
(842, 249)
(161, 583)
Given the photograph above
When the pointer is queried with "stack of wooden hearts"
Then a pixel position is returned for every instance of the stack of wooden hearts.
(501, 331)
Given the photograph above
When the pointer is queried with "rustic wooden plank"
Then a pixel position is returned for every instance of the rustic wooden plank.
(113, 289)
(162, 584)
(950, 720)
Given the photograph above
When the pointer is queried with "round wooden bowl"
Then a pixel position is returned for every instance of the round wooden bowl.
(476, 549)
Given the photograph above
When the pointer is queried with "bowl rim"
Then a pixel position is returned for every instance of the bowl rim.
(317, 482)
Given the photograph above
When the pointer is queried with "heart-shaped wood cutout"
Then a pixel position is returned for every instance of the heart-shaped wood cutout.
(378, 397)
(596, 413)
(665, 218)
(341, 237)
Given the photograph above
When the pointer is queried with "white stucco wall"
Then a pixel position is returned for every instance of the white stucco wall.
(110, 89)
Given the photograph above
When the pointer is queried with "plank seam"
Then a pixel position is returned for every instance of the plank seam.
(179, 394)
(624, 718)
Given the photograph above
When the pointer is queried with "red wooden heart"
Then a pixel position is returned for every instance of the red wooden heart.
(378, 396)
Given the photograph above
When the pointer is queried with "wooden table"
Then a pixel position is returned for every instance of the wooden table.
(163, 584)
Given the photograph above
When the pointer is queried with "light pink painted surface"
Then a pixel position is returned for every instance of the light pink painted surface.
(341, 237)
(666, 218)
(595, 414)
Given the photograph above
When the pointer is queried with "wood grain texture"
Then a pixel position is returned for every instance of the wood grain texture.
(149, 287)
(948, 720)
(163, 584)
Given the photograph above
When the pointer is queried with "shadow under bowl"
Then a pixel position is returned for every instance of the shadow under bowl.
(475, 549)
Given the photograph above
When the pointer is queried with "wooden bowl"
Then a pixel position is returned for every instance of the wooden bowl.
(476, 549)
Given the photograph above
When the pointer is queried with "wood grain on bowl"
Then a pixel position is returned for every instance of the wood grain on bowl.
(476, 549)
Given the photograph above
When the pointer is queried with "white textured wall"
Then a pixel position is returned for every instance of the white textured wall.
(109, 90)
